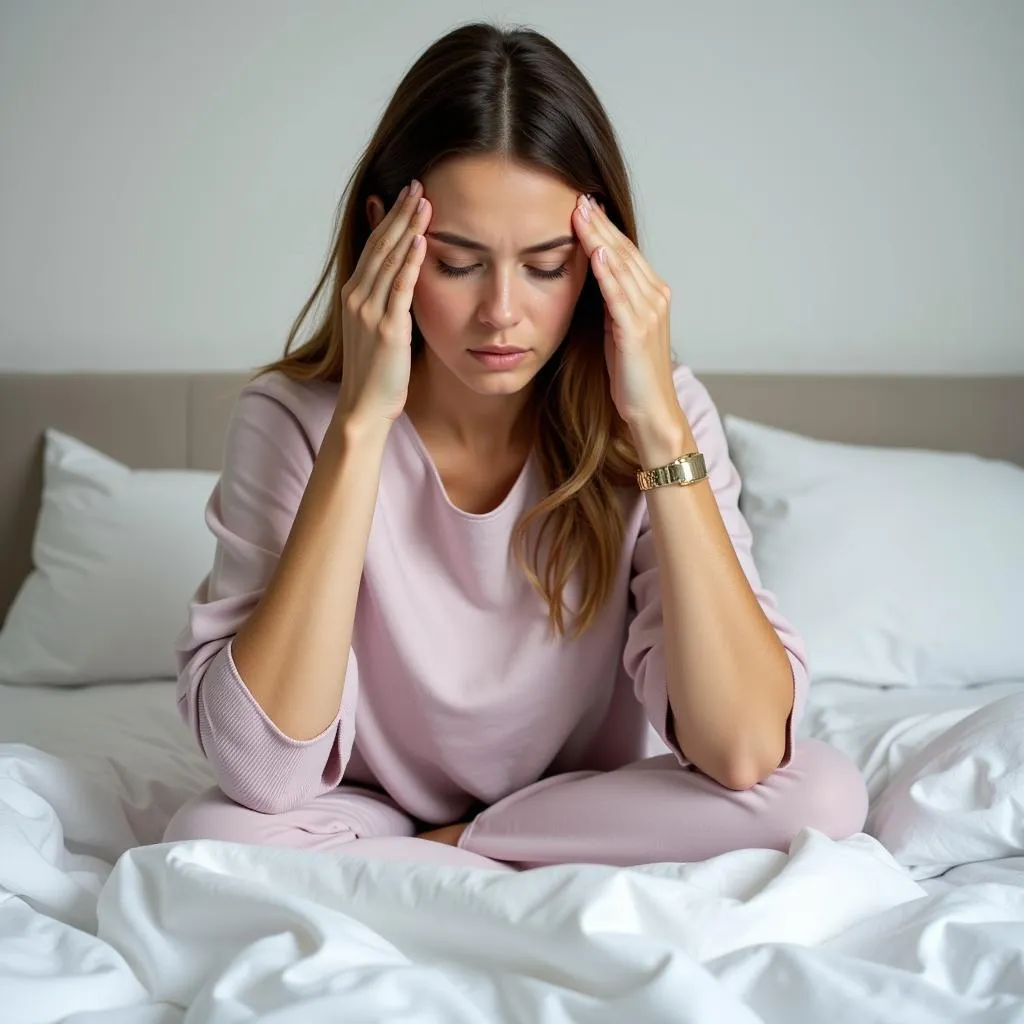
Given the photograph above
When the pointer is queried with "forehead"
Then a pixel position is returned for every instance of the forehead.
(498, 201)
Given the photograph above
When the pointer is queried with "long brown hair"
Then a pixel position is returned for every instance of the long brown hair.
(482, 89)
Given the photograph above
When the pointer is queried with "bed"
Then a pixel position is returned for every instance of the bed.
(101, 922)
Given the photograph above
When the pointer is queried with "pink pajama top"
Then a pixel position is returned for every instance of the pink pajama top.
(455, 696)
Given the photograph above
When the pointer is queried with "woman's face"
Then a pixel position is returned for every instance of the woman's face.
(479, 285)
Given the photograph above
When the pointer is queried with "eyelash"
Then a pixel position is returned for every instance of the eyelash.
(547, 275)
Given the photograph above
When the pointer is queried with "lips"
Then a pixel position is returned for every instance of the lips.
(498, 351)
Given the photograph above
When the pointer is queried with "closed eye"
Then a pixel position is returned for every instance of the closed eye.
(547, 275)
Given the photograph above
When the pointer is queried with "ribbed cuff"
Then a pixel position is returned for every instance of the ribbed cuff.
(255, 763)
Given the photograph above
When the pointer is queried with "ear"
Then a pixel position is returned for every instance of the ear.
(374, 211)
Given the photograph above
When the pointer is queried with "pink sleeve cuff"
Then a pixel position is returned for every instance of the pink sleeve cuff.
(255, 763)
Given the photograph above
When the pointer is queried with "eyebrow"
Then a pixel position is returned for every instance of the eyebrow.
(468, 243)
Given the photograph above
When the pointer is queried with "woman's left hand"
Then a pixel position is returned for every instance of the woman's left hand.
(637, 345)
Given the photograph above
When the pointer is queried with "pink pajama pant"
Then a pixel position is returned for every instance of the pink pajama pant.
(646, 812)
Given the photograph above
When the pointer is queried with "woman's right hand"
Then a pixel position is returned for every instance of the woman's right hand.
(376, 318)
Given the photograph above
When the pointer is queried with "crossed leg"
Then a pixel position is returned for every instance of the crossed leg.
(349, 819)
(648, 811)
(653, 810)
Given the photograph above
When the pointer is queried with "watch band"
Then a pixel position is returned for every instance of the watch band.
(687, 469)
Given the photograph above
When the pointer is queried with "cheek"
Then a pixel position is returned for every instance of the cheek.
(563, 305)
(434, 305)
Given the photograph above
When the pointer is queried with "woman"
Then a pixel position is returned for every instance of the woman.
(366, 667)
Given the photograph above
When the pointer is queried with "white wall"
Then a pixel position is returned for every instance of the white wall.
(828, 186)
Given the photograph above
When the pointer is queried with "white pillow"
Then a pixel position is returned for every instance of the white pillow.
(900, 567)
(117, 556)
(960, 798)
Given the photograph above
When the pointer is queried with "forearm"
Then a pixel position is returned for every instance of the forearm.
(729, 680)
(293, 649)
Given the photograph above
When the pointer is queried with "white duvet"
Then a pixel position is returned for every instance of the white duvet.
(922, 920)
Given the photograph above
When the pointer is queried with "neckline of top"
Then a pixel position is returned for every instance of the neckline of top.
(417, 441)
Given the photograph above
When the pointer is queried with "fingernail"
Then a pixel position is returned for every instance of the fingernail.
(403, 193)
(415, 188)
(585, 209)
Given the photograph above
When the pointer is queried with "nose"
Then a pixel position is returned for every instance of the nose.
(500, 307)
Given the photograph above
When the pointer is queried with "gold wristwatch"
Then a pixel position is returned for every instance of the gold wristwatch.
(687, 469)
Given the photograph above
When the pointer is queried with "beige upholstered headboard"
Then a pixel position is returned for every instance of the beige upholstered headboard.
(177, 421)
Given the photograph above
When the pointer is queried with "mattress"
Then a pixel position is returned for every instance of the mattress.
(100, 922)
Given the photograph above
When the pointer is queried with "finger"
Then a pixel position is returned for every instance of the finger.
(376, 236)
(384, 237)
(619, 277)
(599, 234)
(392, 261)
(400, 295)
(633, 283)
(608, 229)
(613, 287)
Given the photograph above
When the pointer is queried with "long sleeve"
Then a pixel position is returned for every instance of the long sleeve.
(644, 656)
(268, 458)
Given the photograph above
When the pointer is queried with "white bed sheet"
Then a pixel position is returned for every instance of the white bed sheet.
(127, 737)
(880, 727)
(98, 924)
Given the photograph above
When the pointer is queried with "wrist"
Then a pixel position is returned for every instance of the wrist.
(659, 443)
(350, 449)
(350, 431)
